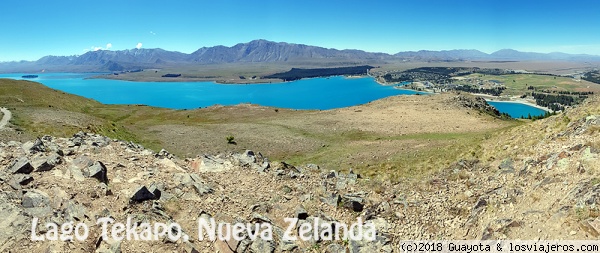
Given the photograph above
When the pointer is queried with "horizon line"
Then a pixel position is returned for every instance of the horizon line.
(331, 48)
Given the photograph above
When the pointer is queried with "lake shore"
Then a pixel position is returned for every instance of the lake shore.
(487, 97)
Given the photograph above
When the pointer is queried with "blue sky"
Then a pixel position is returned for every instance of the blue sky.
(32, 29)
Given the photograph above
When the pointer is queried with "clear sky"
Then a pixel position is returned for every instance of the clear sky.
(30, 29)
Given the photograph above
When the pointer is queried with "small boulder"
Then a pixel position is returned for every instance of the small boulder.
(142, 194)
(183, 179)
(353, 202)
(247, 158)
(211, 164)
(591, 226)
(162, 154)
(22, 166)
(301, 213)
(74, 212)
(202, 189)
(97, 171)
(35, 146)
(46, 163)
(82, 162)
(100, 141)
(332, 199)
(35, 198)
(507, 165)
(312, 167)
(331, 174)
(154, 189)
(19, 180)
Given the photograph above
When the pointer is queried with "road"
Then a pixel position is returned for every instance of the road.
(6, 116)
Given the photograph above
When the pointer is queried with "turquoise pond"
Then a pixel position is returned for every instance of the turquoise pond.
(517, 110)
(315, 93)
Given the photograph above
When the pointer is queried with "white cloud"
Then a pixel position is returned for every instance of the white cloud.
(139, 45)
(153, 33)
(95, 48)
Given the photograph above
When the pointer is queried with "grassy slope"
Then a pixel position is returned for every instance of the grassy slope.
(333, 139)
(37, 110)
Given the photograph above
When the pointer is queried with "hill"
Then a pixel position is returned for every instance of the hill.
(443, 170)
(257, 51)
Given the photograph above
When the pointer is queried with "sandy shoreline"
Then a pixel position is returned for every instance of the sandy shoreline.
(519, 102)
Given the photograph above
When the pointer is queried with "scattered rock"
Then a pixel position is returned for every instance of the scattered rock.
(142, 194)
(262, 246)
(35, 198)
(35, 146)
(202, 189)
(498, 229)
(507, 165)
(591, 226)
(82, 162)
(477, 210)
(247, 158)
(213, 164)
(74, 212)
(353, 202)
(163, 154)
(108, 246)
(19, 180)
(380, 244)
(332, 199)
(97, 171)
(22, 166)
(301, 213)
(41, 164)
(335, 248)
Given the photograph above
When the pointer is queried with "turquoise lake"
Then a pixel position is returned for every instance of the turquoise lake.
(315, 93)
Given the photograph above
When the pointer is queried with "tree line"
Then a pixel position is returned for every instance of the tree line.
(297, 73)
(592, 76)
(554, 102)
(470, 89)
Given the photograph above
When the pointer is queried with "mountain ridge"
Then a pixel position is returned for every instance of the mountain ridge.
(267, 51)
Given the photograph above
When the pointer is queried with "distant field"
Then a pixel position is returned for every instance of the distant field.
(516, 84)
(220, 72)
(226, 72)
(549, 67)
(231, 72)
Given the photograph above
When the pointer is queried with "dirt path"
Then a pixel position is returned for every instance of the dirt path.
(5, 117)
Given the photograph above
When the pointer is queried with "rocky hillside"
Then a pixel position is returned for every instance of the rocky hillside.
(536, 181)
(87, 177)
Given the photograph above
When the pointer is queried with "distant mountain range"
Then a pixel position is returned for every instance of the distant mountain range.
(262, 51)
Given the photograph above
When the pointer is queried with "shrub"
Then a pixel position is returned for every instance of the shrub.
(230, 139)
